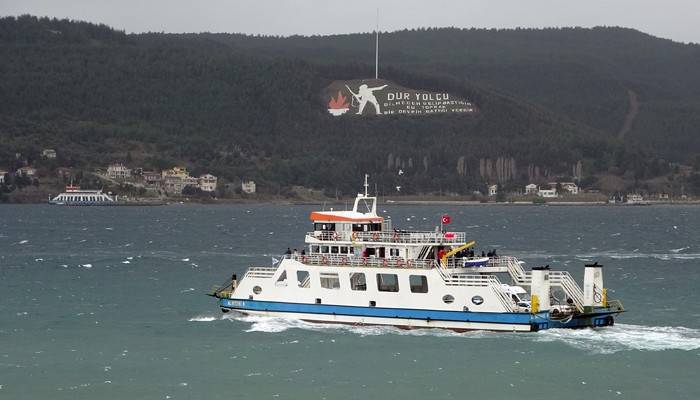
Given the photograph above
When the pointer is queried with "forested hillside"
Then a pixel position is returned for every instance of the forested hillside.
(249, 107)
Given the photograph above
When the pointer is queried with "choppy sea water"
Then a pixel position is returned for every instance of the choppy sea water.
(108, 303)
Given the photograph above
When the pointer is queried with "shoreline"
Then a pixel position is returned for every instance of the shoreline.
(413, 202)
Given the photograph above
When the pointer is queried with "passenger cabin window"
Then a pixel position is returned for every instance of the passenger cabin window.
(330, 280)
(343, 250)
(358, 281)
(334, 249)
(366, 227)
(324, 249)
(394, 252)
(324, 226)
(314, 249)
(303, 279)
(387, 282)
(419, 283)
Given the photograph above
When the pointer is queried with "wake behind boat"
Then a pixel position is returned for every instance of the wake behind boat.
(356, 269)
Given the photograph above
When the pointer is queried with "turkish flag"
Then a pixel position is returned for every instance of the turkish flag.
(446, 219)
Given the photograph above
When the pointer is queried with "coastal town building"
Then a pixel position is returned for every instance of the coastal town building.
(547, 193)
(635, 199)
(48, 153)
(27, 171)
(207, 182)
(174, 184)
(180, 172)
(118, 171)
(493, 190)
(152, 178)
(248, 187)
(531, 189)
(568, 187)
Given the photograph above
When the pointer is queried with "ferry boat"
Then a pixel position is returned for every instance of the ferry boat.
(356, 269)
(74, 196)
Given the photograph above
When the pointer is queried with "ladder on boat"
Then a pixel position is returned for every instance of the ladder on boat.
(560, 279)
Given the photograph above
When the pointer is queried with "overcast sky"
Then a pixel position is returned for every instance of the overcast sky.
(673, 19)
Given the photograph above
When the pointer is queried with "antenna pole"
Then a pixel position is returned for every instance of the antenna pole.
(366, 185)
(376, 50)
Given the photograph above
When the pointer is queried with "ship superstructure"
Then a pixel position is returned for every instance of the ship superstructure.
(357, 269)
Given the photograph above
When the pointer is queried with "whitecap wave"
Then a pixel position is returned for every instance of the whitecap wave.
(623, 337)
(672, 255)
(204, 318)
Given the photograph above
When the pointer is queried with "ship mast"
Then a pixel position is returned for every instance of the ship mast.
(366, 186)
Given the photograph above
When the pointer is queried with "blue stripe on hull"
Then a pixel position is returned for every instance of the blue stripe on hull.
(540, 321)
(380, 312)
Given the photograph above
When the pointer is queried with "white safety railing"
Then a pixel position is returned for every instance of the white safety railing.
(562, 279)
(412, 237)
(355, 261)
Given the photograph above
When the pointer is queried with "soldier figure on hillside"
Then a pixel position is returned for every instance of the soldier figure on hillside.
(364, 95)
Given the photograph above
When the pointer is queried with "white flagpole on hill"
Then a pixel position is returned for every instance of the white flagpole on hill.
(376, 51)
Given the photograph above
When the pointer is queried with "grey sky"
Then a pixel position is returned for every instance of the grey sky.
(673, 19)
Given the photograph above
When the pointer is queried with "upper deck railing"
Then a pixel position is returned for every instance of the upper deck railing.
(410, 237)
(354, 261)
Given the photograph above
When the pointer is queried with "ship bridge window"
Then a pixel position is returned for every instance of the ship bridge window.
(358, 281)
(419, 283)
(303, 279)
(366, 227)
(330, 280)
(323, 226)
(387, 282)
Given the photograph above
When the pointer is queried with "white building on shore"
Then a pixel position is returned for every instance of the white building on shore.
(248, 187)
(547, 193)
(531, 189)
(493, 190)
(27, 171)
(207, 182)
(118, 171)
(48, 153)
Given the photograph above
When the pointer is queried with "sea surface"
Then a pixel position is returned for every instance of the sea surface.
(109, 303)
